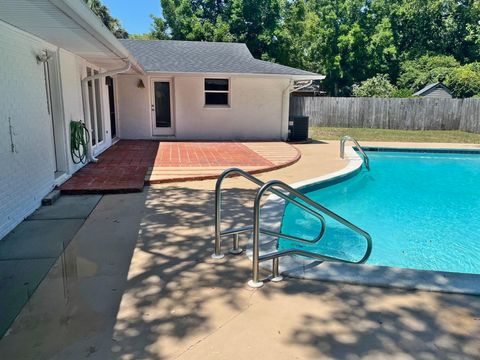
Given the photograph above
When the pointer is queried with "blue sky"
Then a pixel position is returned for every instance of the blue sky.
(134, 15)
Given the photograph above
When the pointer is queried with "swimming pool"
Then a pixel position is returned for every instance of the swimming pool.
(421, 207)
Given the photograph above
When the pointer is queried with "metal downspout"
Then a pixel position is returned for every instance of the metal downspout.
(285, 107)
(84, 81)
(286, 100)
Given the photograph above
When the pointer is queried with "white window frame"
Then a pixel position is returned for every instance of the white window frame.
(93, 120)
(228, 92)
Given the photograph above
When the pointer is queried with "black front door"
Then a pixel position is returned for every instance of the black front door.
(162, 104)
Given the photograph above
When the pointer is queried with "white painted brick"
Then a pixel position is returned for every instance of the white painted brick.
(27, 175)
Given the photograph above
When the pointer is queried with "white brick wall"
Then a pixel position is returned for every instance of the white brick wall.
(27, 174)
(71, 67)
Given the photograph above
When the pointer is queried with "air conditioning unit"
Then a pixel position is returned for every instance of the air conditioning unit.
(298, 128)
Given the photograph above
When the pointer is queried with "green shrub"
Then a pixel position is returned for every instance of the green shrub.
(464, 81)
(402, 93)
(377, 86)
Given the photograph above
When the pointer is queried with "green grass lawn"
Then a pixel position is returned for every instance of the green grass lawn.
(441, 136)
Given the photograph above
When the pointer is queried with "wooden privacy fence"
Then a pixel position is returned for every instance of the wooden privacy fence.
(394, 113)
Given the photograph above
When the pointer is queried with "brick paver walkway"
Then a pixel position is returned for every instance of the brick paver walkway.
(188, 154)
(129, 164)
(254, 157)
(121, 168)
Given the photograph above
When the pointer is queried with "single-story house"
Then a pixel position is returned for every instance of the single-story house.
(435, 90)
(59, 63)
(204, 90)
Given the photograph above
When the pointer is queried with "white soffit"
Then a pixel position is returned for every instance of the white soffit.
(45, 20)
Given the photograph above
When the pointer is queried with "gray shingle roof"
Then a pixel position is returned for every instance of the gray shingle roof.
(429, 87)
(203, 57)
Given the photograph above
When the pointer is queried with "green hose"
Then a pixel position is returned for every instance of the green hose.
(79, 139)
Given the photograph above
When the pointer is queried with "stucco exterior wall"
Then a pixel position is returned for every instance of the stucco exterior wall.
(255, 110)
(28, 173)
(133, 107)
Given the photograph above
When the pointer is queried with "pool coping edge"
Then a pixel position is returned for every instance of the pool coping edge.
(373, 275)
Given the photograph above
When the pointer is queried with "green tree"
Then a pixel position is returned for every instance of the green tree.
(377, 86)
(432, 26)
(464, 81)
(109, 21)
(415, 74)
(340, 38)
(193, 20)
(250, 21)
(297, 37)
(332, 40)
(144, 36)
(382, 50)
(254, 22)
(159, 28)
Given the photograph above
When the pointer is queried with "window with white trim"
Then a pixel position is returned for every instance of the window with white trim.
(217, 92)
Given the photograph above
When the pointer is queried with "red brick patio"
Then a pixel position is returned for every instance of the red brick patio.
(129, 164)
(194, 154)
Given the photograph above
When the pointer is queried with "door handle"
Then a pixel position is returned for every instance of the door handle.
(153, 108)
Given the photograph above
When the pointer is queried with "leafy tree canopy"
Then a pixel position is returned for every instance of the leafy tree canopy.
(415, 74)
(109, 21)
(463, 81)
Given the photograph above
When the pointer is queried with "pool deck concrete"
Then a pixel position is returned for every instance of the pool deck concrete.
(29, 251)
(137, 282)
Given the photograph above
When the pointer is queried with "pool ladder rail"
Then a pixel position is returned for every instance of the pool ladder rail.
(290, 195)
(344, 140)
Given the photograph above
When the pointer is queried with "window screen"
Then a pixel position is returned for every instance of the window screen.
(217, 92)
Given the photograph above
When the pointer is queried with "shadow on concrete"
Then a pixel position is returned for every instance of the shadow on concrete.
(173, 278)
(177, 296)
(171, 300)
(370, 322)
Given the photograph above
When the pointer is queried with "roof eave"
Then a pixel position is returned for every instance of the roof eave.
(216, 74)
(308, 77)
(81, 14)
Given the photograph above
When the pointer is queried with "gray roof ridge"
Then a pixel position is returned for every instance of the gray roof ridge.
(430, 86)
(186, 41)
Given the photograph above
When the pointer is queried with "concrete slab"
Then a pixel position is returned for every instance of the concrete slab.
(68, 207)
(18, 281)
(73, 311)
(30, 250)
(177, 303)
(39, 239)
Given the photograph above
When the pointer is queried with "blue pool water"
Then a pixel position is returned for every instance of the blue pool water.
(422, 210)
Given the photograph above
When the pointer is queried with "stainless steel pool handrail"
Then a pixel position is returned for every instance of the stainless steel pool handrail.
(246, 229)
(274, 256)
(346, 138)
